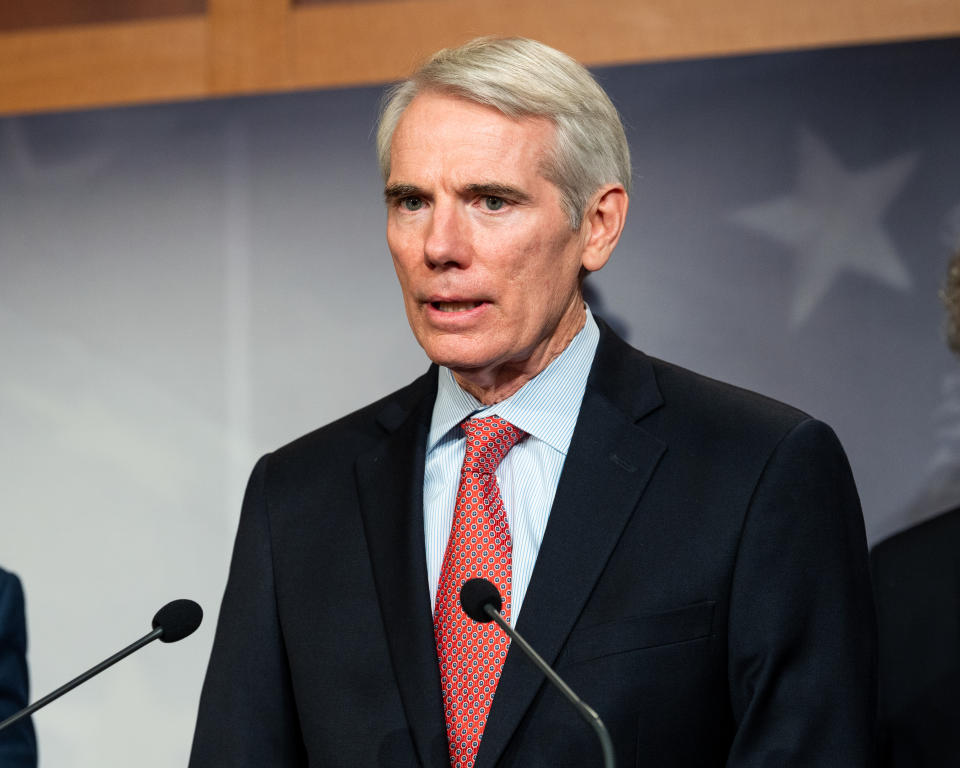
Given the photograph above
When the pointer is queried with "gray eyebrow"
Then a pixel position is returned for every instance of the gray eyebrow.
(396, 191)
(499, 190)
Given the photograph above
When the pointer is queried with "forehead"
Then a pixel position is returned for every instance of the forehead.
(452, 136)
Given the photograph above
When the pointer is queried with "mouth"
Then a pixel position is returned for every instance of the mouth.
(455, 306)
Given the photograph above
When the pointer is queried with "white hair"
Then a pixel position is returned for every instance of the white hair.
(524, 78)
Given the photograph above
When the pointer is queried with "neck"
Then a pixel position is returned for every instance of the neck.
(495, 384)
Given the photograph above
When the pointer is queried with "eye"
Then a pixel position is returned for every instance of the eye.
(411, 203)
(494, 203)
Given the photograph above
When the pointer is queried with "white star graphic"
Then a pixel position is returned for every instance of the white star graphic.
(833, 219)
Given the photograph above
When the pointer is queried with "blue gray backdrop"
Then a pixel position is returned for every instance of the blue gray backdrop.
(184, 287)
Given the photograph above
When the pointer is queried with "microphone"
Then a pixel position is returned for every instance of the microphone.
(173, 622)
(481, 601)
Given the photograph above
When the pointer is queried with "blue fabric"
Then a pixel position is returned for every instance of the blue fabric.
(18, 743)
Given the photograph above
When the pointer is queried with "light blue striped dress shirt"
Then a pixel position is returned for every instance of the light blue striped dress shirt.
(546, 407)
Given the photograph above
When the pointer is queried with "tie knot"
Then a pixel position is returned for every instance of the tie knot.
(488, 441)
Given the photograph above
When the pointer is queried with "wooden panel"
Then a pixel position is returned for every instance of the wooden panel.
(328, 2)
(246, 46)
(99, 65)
(386, 38)
(32, 14)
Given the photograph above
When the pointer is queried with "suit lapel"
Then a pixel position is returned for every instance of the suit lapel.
(608, 465)
(390, 482)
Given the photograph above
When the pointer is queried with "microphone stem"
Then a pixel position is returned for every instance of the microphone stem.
(586, 712)
(150, 637)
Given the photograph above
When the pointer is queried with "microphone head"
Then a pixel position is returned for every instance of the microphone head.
(178, 619)
(476, 595)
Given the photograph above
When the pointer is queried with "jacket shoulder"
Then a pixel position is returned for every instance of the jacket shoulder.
(729, 405)
(678, 396)
(936, 539)
(349, 435)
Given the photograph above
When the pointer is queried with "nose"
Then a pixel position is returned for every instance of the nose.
(446, 243)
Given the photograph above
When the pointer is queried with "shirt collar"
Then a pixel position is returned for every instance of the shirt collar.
(546, 407)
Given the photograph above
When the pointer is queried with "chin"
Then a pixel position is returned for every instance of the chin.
(459, 363)
(458, 356)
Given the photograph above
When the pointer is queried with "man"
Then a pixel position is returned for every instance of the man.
(689, 556)
(18, 744)
(917, 583)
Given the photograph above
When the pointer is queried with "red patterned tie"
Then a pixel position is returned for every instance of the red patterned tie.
(471, 654)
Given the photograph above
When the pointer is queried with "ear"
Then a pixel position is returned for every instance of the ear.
(603, 222)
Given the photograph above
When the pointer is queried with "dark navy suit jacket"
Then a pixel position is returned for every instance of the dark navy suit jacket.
(917, 582)
(18, 745)
(702, 583)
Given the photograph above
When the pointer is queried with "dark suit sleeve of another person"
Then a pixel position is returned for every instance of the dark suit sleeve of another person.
(916, 577)
(18, 745)
(802, 637)
(247, 714)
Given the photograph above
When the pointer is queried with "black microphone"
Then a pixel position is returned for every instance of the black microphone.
(481, 601)
(173, 622)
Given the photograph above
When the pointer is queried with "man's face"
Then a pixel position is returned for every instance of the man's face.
(486, 258)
